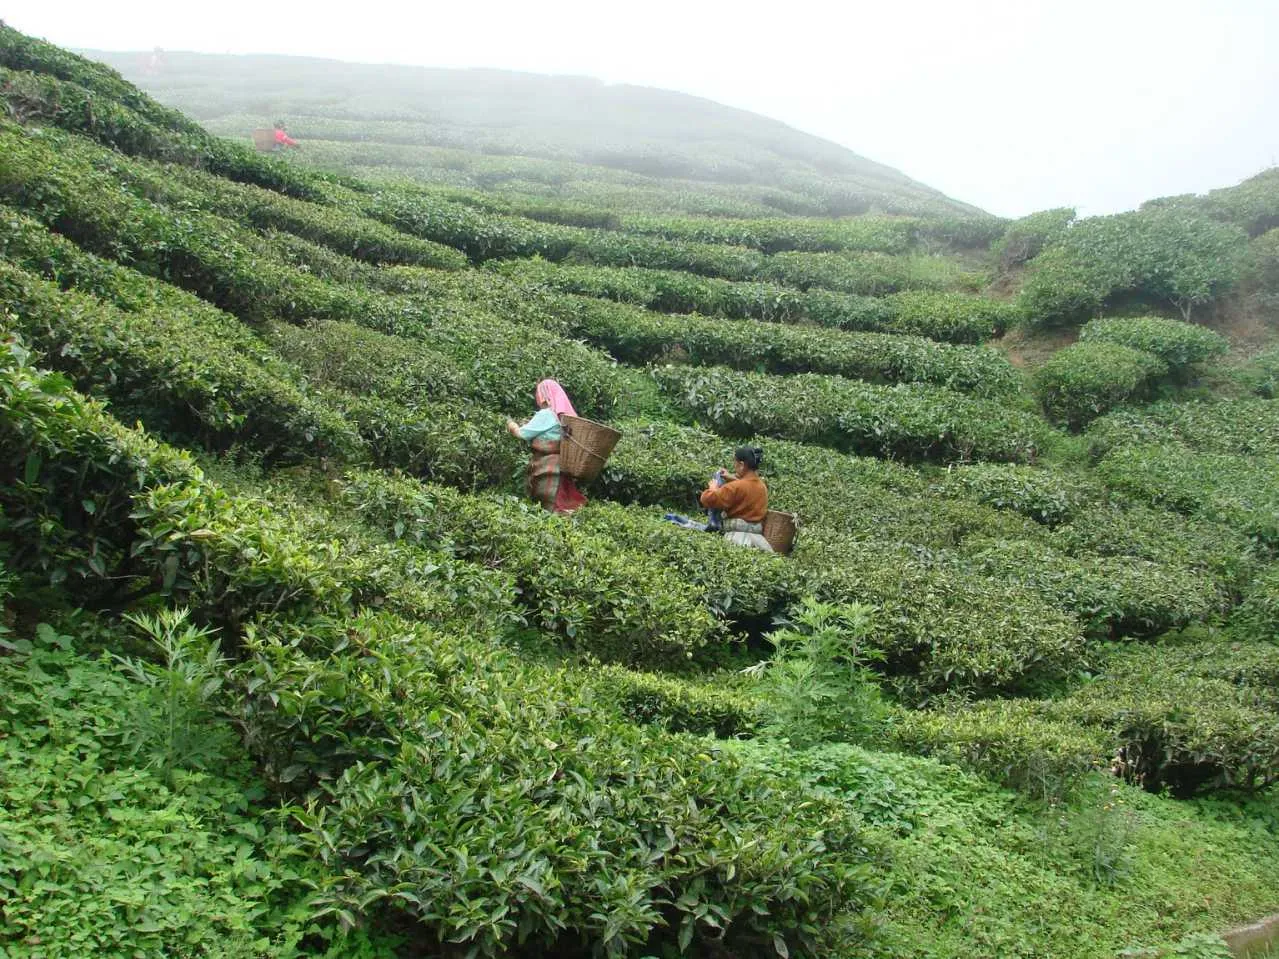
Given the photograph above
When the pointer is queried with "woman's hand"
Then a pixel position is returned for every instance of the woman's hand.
(512, 427)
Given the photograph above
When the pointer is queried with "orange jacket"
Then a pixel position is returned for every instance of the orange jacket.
(745, 499)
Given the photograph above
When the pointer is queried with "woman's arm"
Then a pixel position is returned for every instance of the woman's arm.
(725, 497)
(542, 421)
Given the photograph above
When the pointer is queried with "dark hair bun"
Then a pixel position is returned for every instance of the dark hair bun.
(752, 456)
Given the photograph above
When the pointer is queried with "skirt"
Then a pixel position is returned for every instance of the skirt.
(741, 533)
(545, 483)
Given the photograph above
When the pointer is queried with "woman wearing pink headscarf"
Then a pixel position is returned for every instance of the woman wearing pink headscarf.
(546, 484)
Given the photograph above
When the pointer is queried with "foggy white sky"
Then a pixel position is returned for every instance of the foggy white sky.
(1013, 105)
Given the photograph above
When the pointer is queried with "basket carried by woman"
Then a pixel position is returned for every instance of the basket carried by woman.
(585, 447)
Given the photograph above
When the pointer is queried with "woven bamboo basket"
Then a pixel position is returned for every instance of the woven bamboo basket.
(264, 140)
(779, 530)
(585, 447)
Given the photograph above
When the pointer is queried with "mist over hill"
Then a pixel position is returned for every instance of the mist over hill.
(409, 117)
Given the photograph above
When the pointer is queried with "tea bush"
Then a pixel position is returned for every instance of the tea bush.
(1081, 382)
(951, 317)
(908, 420)
(1236, 491)
(940, 626)
(638, 336)
(1026, 238)
(494, 805)
(880, 234)
(1046, 496)
(121, 518)
(1258, 615)
(1230, 739)
(90, 98)
(621, 605)
(1244, 427)
(204, 378)
(1161, 256)
(1110, 596)
(1009, 741)
(1180, 345)
(863, 274)
(675, 704)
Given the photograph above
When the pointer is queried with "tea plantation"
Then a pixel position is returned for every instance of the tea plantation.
(289, 666)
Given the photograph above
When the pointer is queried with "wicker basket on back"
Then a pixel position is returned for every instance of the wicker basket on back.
(585, 447)
(264, 139)
(779, 530)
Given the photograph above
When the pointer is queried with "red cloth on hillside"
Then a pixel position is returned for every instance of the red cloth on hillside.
(283, 139)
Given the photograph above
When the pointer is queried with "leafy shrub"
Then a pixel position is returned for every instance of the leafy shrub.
(942, 626)
(1159, 255)
(1179, 345)
(676, 704)
(104, 855)
(1009, 741)
(952, 317)
(1026, 238)
(200, 376)
(863, 274)
(1236, 491)
(1245, 427)
(913, 421)
(87, 97)
(881, 234)
(1259, 614)
(1110, 596)
(817, 686)
(1260, 374)
(637, 336)
(1081, 382)
(533, 797)
(1230, 739)
(620, 605)
(1046, 496)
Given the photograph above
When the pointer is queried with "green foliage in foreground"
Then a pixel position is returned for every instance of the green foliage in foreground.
(1132, 716)
(105, 854)
(1083, 381)
(908, 420)
(968, 857)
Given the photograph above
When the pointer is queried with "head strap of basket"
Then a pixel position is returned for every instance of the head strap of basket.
(586, 446)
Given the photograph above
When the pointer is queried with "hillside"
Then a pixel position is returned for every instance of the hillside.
(625, 147)
(289, 665)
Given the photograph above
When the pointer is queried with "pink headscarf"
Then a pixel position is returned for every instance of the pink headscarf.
(549, 391)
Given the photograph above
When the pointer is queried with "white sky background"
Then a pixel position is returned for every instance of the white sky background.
(1012, 105)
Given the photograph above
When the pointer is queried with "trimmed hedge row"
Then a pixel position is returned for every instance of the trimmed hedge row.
(1111, 596)
(940, 626)
(1179, 345)
(1083, 381)
(497, 806)
(1046, 496)
(1236, 491)
(675, 704)
(623, 606)
(867, 498)
(637, 336)
(112, 516)
(198, 375)
(949, 317)
(1244, 427)
(880, 234)
(909, 420)
(1132, 718)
